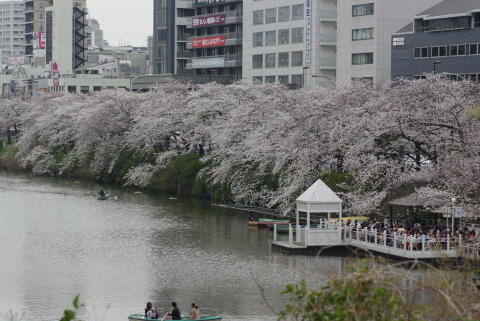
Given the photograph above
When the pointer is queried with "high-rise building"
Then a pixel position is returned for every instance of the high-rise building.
(150, 54)
(287, 40)
(94, 35)
(35, 29)
(66, 23)
(365, 28)
(443, 39)
(12, 39)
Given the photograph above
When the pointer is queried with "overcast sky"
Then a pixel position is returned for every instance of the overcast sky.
(124, 21)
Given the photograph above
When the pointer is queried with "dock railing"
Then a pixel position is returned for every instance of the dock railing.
(415, 246)
(470, 251)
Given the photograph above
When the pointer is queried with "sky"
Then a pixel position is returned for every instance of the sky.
(123, 21)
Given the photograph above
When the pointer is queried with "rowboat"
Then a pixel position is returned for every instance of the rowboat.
(285, 228)
(266, 222)
(101, 198)
(141, 317)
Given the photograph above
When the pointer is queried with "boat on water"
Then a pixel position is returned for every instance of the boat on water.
(266, 222)
(285, 228)
(141, 317)
(101, 197)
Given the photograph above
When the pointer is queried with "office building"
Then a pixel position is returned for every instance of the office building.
(35, 31)
(287, 40)
(444, 39)
(198, 37)
(170, 36)
(12, 39)
(365, 29)
(217, 38)
(66, 23)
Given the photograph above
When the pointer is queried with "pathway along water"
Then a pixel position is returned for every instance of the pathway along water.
(57, 240)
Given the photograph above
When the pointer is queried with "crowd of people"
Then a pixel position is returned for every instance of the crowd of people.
(152, 313)
(415, 237)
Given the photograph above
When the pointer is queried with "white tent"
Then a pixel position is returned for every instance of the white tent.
(318, 198)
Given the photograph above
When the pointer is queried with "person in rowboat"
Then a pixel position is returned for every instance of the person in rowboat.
(195, 313)
(148, 310)
(175, 314)
(101, 193)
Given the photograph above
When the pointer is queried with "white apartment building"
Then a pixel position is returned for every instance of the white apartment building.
(12, 19)
(287, 40)
(365, 28)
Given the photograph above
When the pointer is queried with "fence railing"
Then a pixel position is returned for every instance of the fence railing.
(401, 241)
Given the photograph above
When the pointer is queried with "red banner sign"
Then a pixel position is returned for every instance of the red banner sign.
(208, 42)
(209, 21)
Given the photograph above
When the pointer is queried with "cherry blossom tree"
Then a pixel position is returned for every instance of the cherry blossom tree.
(268, 143)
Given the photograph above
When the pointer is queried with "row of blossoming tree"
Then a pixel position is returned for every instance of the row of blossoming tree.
(422, 136)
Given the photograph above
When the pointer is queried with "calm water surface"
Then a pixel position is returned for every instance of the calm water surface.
(57, 240)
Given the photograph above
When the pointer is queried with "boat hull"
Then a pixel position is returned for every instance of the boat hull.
(141, 317)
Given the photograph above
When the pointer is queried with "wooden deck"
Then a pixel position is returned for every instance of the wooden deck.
(339, 241)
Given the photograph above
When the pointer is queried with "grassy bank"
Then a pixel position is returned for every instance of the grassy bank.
(7, 157)
(177, 178)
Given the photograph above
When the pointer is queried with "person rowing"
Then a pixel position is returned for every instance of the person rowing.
(175, 314)
(101, 193)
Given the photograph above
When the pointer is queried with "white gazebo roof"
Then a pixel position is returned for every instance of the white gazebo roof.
(319, 198)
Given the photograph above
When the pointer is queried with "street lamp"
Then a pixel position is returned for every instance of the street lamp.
(135, 78)
(435, 66)
(303, 79)
(453, 214)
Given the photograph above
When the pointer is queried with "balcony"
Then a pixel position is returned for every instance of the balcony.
(328, 63)
(205, 3)
(224, 61)
(184, 54)
(327, 39)
(231, 39)
(328, 15)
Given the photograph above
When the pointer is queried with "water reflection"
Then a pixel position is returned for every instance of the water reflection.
(57, 240)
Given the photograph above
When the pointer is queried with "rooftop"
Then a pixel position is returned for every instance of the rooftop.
(451, 8)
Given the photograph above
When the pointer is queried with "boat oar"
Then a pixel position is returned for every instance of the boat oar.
(164, 317)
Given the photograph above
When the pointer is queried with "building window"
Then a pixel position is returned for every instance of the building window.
(257, 39)
(453, 50)
(283, 79)
(297, 35)
(297, 12)
(362, 34)
(258, 17)
(462, 50)
(435, 51)
(297, 79)
(283, 36)
(283, 59)
(270, 79)
(443, 51)
(270, 60)
(473, 49)
(297, 58)
(362, 10)
(271, 15)
(271, 38)
(284, 14)
(362, 58)
(257, 61)
(258, 80)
